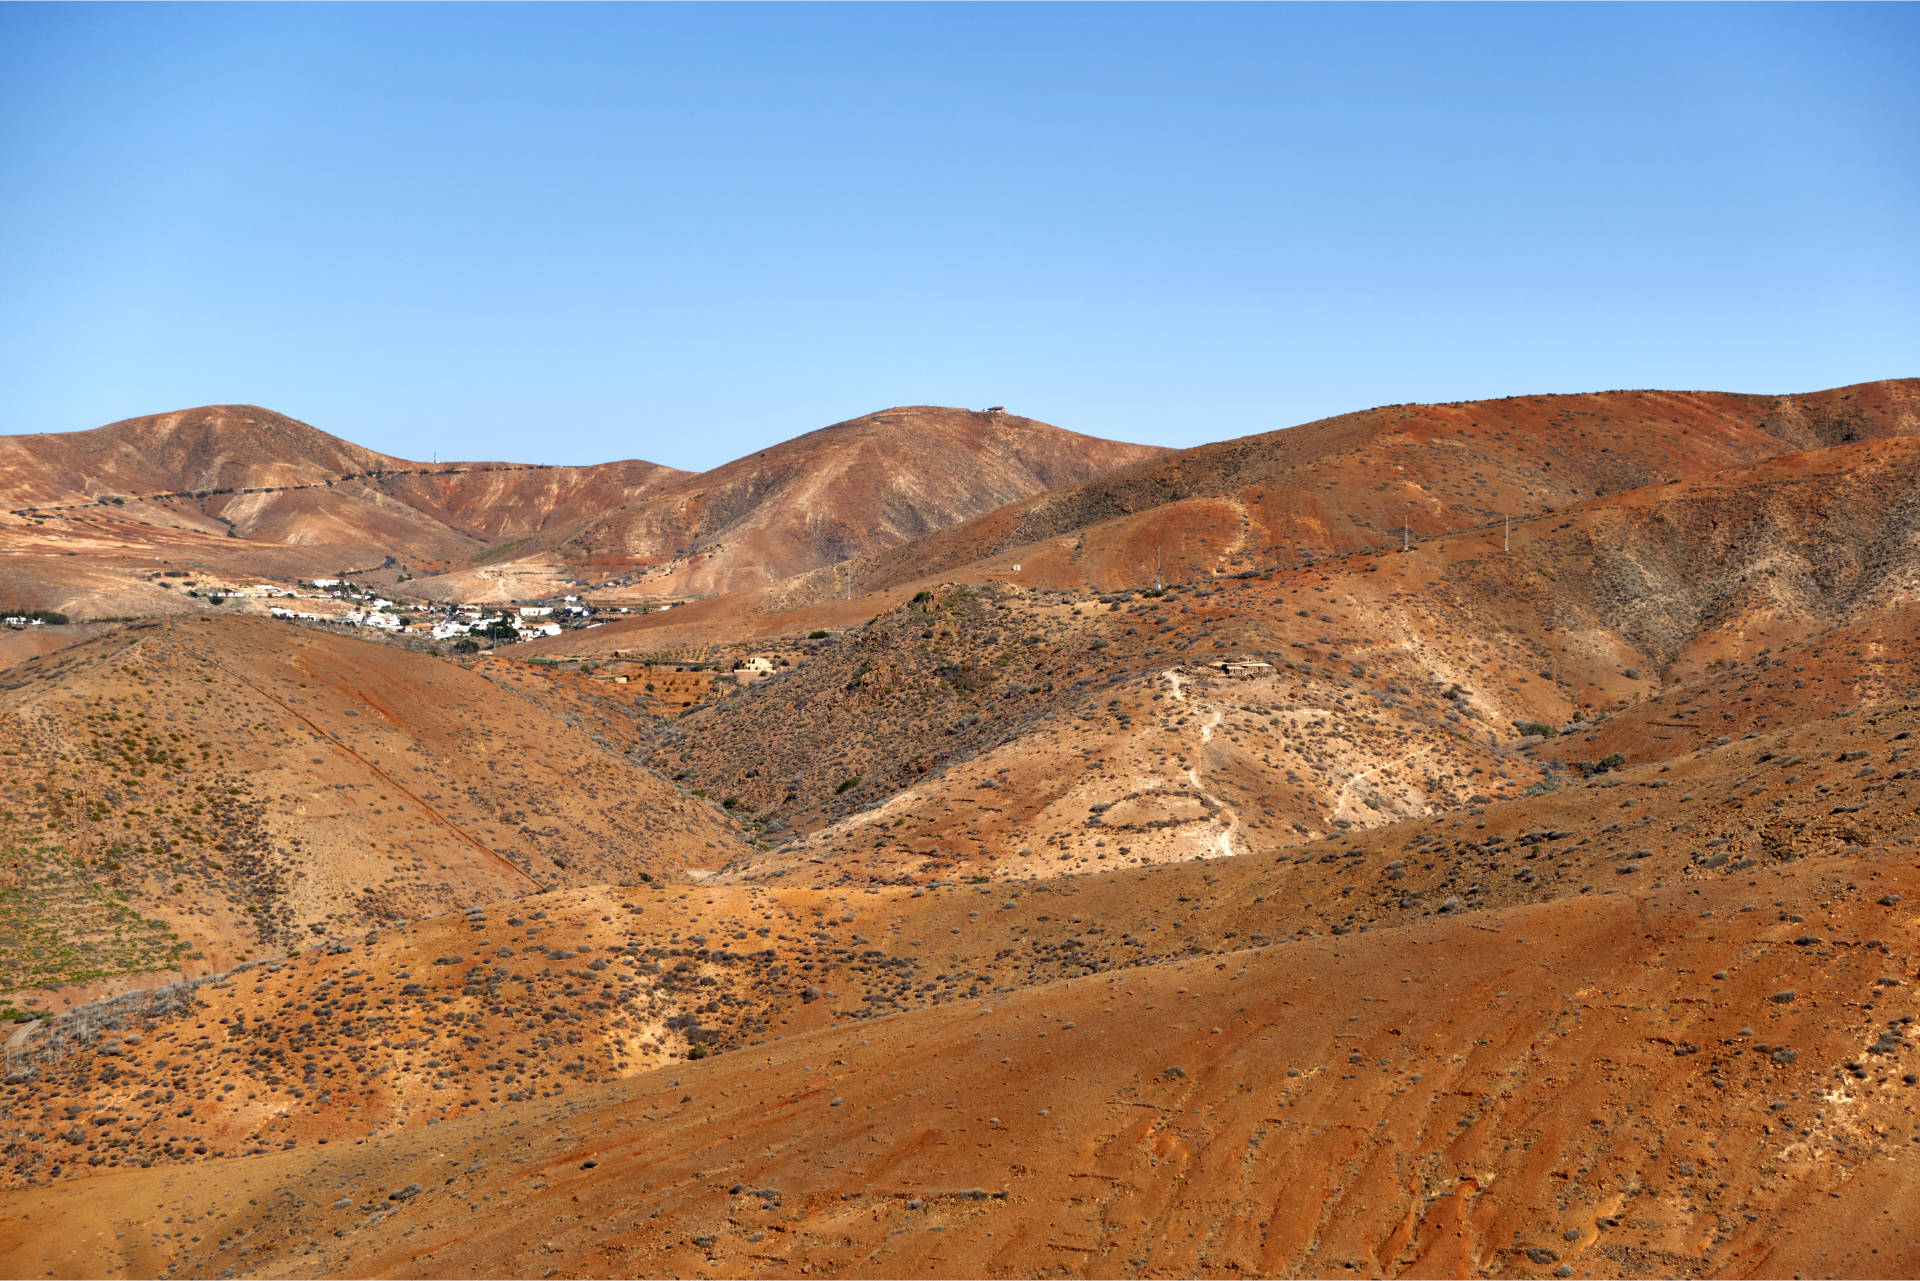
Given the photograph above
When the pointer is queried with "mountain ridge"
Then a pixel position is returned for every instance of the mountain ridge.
(286, 499)
(1345, 484)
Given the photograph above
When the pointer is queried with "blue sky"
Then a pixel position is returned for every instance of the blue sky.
(577, 233)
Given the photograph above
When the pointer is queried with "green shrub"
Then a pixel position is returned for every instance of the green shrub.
(847, 785)
(1611, 761)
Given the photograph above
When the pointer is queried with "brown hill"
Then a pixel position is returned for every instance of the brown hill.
(997, 728)
(214, 447)
(1352, 483)
(1599, 1054)
(183, 797)
(240, 489)
(844, 491)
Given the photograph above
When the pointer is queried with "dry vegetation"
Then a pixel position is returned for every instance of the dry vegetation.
(1534, 912)
(257, 789)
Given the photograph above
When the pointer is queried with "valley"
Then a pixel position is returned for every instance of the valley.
(1466, 840)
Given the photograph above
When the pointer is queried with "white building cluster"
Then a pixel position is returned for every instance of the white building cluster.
(363, 609)
(527, 622)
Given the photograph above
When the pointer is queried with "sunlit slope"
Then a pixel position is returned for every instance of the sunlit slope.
(256, 787)
(1660, 1082)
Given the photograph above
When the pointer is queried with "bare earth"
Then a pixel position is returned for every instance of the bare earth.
(1522, 904)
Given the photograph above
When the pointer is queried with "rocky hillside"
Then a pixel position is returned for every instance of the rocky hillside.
(186, 797)
(998, 725)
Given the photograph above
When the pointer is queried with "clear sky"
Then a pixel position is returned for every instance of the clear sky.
(576, 233)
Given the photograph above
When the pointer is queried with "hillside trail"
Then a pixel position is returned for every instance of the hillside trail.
(1243, 531)
(343, 479)
(1344, 799)
(385, 777)
(1229, 840)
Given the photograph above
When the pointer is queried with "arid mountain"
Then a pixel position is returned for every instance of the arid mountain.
(1002, 727)
(240, 489)
(238, 492)
(213, 448)
(1529, 902)
(869, 483)
(1358, 482)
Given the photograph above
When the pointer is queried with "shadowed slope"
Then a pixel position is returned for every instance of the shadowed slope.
(999, 729)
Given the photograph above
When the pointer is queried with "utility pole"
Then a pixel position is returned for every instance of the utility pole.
(1507, 544)
(1406, 530)
(1156, 570)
